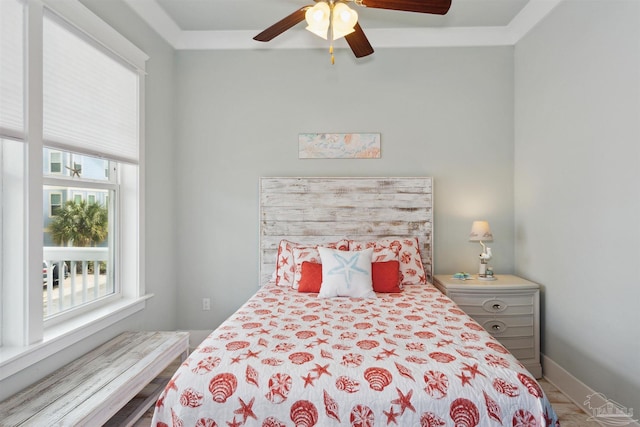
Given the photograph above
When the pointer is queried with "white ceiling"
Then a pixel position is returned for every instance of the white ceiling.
(231, 24)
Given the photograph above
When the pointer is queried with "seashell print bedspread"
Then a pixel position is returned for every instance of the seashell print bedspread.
(411, 359)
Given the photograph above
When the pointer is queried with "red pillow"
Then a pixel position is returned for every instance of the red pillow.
(310, 277)
(386, 276)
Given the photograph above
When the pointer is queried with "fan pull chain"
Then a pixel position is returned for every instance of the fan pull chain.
(333, 59)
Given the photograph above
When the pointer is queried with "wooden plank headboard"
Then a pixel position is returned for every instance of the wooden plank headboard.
(317, 209)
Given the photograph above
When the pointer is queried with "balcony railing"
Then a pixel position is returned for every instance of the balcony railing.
(78, 279)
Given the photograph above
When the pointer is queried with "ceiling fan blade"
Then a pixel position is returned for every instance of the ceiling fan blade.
(438, 7)
(358, 42)
(282, 25)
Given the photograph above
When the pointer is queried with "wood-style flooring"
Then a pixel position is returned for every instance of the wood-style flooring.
(570, 415)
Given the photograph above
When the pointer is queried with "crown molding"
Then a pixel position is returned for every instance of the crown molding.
(530, 15)
(534, 11)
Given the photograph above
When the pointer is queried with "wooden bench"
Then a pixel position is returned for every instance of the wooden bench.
(92, 389)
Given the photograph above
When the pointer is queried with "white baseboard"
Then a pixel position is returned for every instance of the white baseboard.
(575, 390)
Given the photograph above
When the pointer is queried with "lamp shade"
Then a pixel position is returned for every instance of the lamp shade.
(317, 18)
(343, 21)
(480, 232)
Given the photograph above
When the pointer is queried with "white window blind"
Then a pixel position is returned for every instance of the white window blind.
(90, 97)
(11, 69)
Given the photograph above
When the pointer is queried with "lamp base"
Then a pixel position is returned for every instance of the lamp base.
(483, 270)
(482, 273)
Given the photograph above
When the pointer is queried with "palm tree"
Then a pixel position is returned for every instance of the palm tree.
(80, 224)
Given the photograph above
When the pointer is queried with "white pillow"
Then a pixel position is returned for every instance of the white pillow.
(346, 273)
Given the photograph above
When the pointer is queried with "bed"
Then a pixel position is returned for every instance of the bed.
(320, 344)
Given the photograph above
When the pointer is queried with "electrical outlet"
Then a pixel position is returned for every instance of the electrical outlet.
(206, 304)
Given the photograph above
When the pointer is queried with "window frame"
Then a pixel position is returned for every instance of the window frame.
(26, 339)
(90, 187)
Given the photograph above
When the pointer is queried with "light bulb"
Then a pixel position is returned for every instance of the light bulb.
(344, 16)
(317, 16)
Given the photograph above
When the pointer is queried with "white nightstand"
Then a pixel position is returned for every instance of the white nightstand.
(508, 308)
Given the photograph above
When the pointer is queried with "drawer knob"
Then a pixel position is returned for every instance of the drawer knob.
(496, 327)
(497, 306)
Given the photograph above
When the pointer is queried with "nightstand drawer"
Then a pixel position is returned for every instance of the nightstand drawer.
(504, 327)
(521, 348)
(505, 304)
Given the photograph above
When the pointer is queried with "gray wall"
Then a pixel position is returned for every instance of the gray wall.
(160, 169)
(446, 113)
(577, 179)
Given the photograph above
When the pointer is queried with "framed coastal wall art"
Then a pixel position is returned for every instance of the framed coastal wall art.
(339, 146)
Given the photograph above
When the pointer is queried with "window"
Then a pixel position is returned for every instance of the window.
(78, 243)
(11, 69)
(55, 203)
(55, 164)
(70, 138)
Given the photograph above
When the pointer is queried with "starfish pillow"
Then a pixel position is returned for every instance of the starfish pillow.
(346, 273)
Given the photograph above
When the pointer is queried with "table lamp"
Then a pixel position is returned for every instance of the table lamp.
(481, 232)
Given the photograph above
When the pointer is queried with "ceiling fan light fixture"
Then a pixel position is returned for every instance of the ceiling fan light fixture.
(344, 20)
(317, 18)
(335, 16)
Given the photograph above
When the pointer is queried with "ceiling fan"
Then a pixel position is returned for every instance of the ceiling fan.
(332, 19)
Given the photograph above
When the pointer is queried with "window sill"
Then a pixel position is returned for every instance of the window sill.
(65, 334)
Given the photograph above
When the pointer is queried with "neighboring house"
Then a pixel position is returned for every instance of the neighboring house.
(60, 163)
